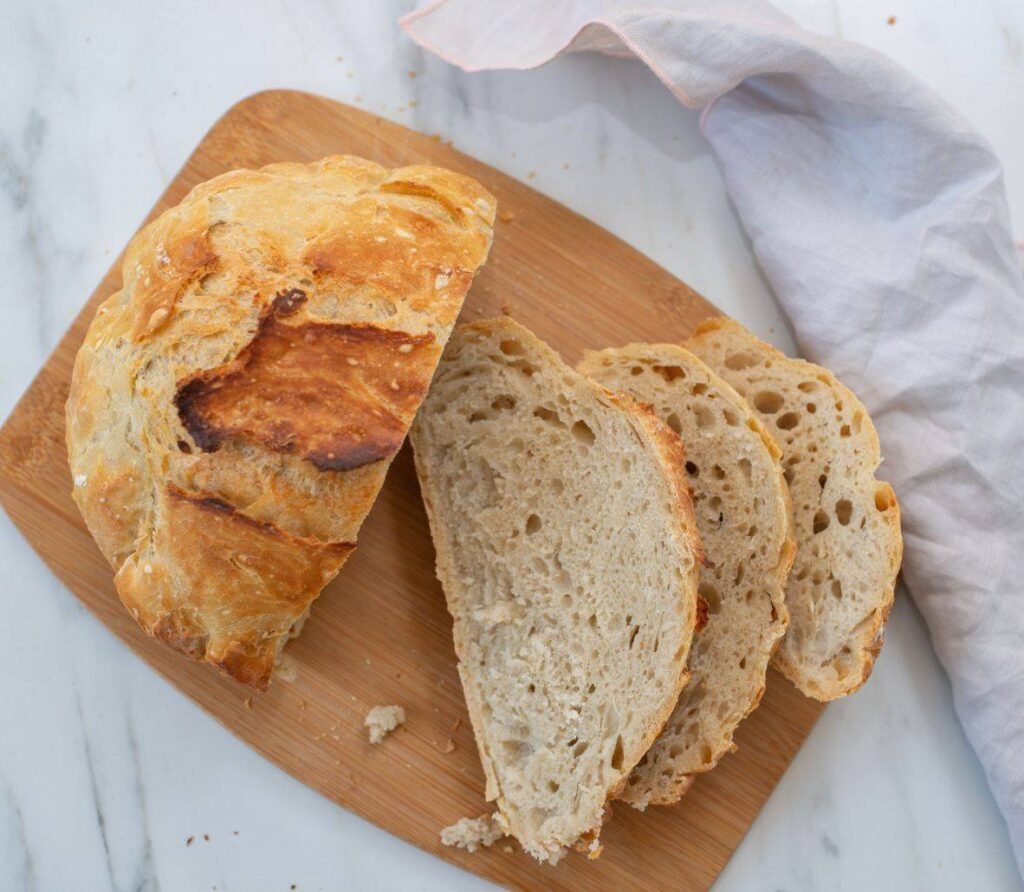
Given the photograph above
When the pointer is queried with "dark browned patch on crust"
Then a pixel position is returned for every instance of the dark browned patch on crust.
(341, 396)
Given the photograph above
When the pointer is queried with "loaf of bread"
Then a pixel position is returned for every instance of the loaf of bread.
(235, 406)
(568, 552)
(847, 522)
(745, 520)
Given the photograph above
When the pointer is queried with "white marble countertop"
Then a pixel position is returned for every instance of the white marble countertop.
(105, 770)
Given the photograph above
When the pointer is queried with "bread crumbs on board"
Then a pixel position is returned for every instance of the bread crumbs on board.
(382, 720)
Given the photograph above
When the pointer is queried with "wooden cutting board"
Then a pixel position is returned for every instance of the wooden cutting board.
(380, 634)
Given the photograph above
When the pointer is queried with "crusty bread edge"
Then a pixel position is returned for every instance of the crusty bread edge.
(869, 642)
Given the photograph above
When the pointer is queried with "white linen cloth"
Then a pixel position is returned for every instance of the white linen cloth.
(880, 220)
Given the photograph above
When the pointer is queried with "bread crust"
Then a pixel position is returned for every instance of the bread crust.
(235, 406)
(865, 642)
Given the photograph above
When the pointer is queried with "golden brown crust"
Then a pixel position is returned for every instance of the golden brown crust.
(341, 396)
(248, 583)
(218, 431)
(185, 256)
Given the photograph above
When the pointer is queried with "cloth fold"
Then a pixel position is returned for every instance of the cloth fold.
(880, 220)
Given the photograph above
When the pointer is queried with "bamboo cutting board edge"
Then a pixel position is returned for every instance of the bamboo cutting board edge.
(380, 632)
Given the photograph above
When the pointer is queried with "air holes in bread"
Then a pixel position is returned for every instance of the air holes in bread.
(673, 422)
(548, 415)
(844, 509)
(883, 498)
(533, 524)
(768, 401)
(704, 416)
(745, 468)
(669, 372)
(788, 421)
(583, 432)
(503, 402)
(741, 360)
(512, 347)
(821, 522)
(692, 469)
(617, 754)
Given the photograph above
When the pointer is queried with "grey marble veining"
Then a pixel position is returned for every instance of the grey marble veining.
(105, 770)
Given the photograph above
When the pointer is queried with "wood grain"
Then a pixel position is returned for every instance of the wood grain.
(380, 634)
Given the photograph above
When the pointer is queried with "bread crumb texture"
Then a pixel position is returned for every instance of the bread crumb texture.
(743, 512)
(568, 552)
(473, 833)
(846, 521)
(382, 720)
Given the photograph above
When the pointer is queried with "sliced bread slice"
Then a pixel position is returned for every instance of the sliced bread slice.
(745, 520)
(568, 552)
(847, 522)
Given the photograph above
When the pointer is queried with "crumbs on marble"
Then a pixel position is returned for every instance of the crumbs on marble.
(413, 74)
(891, 20)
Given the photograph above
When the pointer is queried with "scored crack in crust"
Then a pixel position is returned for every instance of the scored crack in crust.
(235, 406)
